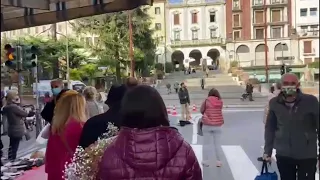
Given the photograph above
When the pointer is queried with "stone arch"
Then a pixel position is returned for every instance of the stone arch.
(281, 50)
(195, 54)
(177, 57)
(259, 59)
(214, 54)
(243, 49)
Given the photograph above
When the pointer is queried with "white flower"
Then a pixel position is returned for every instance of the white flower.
(85, 162)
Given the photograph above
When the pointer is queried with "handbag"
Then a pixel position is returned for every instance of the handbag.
(45, 132)
(265, 174)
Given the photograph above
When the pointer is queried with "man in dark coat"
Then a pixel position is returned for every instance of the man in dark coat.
(96, 126)
(57, 90)
(292, 128)
(184, 99)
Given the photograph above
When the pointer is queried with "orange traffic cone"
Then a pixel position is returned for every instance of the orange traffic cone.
(194, 108)
(168, 110)
(174, 111)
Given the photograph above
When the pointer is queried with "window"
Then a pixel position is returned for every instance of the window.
(276, 32)
(213, 33)
(28, 31)
(177, 35)
(236, 35)
(236, 4)
(36, 29)
(276, 15)
(304, 29)
(212, 17)
(194, 18)
(307, 47)
(13, 33)
(314, 30)
(313, 11)
(236, 20)
(158, 26)
(157, 10)
(258, 17)
(21, 32)
(176, 19)
(194, 34)
(258, 2)
(303, 12)
(259, 33)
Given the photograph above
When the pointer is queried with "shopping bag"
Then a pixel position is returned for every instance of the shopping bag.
(265, 174)
(44, 135)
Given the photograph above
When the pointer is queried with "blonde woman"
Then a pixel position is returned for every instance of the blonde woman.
(93, 108)
(101, 98)
(66, 128)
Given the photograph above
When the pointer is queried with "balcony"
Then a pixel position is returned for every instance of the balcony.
(278, 3)
(194, 3)
(199, 42)
(278, 23)
(236, 9)
(257, 4)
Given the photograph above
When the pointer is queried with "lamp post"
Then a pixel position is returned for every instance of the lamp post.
(131, 44)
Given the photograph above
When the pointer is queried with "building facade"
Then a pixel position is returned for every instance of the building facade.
(306, 24)
(195, 30)
(245, 31)
(157, 14)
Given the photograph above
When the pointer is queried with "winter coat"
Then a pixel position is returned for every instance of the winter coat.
(156, 153)
(15, 115)
(61, 147)
(266, 109)
(93, 108)
(211, 109)
(184, 96)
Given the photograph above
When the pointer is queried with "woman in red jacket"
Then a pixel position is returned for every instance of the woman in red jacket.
(69, 117)
(212, 121)
(146, 146)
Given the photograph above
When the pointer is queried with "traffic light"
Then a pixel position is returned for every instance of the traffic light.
(282, 70)
(29, 57)
(11, 56)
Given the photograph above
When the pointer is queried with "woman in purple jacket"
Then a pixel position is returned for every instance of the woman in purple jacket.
(146, 146)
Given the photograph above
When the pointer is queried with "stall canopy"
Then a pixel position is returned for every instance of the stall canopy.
(18, 14)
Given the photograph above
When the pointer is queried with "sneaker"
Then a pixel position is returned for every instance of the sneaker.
(205, 163)
(218, 164)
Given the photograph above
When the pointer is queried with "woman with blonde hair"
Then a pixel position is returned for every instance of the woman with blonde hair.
(66, 128)
(93, 108)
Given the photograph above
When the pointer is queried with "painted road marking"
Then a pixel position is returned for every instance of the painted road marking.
(239, 163)
(198, 150)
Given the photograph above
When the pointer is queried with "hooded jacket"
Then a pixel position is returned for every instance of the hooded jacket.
(47, 112)
(156, 153)
(211, 109)
(98, 125)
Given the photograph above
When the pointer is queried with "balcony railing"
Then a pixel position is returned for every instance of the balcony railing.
(199, 42)
(279, 1)
(257, 3)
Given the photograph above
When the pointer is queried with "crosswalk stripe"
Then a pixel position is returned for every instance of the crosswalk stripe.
(198, 152)
(240, 164)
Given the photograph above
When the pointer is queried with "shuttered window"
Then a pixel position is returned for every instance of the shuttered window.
(307, 47)
(276, 15)
(176, 19)
(236, 20)
(258, 17)
(194, 18)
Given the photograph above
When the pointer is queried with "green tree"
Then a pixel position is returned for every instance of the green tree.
(49, 51)
(113, 46)
(89, 71)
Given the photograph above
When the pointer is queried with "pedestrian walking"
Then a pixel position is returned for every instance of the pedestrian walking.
(168, 85)
(202, 83)
(66, 127)
(248, 92)
(96, 126)
(146, 146)
(176, 86)
(291, 128)
(93, 108)
(57, 88)
(211, 123)
(15, 118)
(184, 99)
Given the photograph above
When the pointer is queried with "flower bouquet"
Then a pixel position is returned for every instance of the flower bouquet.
(85, 162)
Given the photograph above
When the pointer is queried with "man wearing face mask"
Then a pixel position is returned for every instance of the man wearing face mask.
(57, 90)
(291, 128)
(15, 117)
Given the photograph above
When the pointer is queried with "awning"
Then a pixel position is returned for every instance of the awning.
(19, 14)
